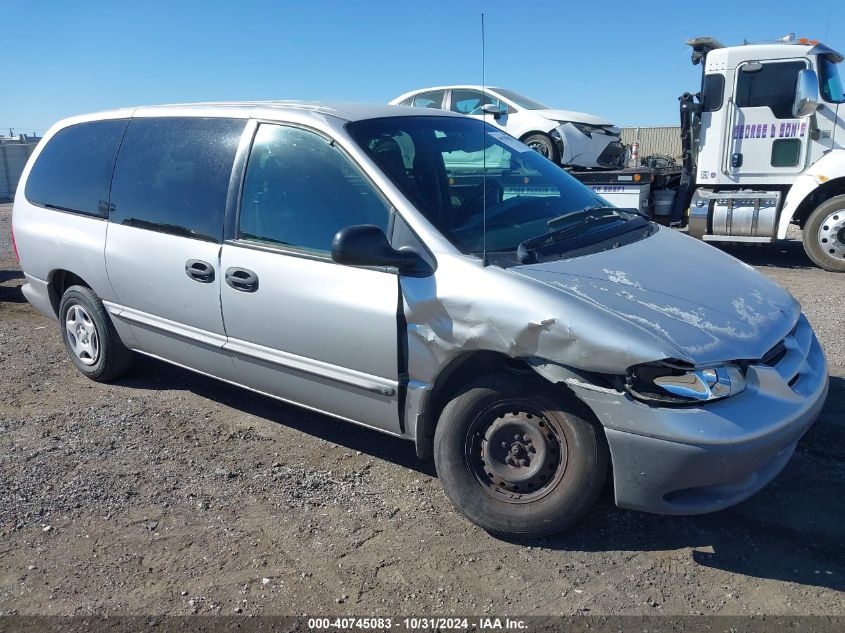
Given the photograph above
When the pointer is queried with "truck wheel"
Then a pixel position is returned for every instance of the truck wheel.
(516, 459)
(824, 235)
(544, 145)
(89, 336)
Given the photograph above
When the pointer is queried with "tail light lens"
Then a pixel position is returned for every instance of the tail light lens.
(15, 246)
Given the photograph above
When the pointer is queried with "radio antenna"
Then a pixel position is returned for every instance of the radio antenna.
(483, 153)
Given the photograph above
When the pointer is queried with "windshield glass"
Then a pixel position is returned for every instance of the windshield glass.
(521, 101)
(831, 82)
(441, 163)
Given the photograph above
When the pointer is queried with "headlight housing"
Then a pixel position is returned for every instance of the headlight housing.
(586, 129)
(589, 130)
(674, 384)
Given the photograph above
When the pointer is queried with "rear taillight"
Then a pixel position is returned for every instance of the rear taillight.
(15, 246)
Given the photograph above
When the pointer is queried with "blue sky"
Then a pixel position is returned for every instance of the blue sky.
(626, 61)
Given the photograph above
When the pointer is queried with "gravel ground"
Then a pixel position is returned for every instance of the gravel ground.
(171, 493)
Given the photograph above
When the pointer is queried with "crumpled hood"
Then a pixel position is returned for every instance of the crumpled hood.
(572, 116)
(706, 304)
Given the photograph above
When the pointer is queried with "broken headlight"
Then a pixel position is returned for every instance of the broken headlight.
(588, 130)
(674, 384)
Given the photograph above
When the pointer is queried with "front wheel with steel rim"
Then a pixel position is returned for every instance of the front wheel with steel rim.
(824, 235)
(543, 145)
(89, 336)
(517, 458)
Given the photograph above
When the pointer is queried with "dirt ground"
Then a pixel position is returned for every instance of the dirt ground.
(171, 493)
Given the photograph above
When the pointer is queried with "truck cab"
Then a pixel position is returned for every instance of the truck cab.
(763, 146)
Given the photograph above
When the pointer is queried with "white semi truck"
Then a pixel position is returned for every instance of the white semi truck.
(763, 147)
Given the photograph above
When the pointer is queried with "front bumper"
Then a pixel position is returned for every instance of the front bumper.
(697, 460)
(598, 150)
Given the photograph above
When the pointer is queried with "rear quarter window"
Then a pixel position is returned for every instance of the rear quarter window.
(73, 171)
(172, 175)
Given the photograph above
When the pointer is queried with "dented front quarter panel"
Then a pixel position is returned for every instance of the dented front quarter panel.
(466, 307)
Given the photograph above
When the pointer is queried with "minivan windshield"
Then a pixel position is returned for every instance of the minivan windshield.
(455, 168)
(831, 82)
(521, 100)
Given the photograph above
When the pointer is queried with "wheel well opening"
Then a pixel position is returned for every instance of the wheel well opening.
(830, 189)
(451, 379)
(61, 280)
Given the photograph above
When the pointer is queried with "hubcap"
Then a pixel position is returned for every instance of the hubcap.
(82, 334)
(540, 148)
(832, 234)
(515, 452)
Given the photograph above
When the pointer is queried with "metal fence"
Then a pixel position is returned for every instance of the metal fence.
(655, 140)
(13, 157)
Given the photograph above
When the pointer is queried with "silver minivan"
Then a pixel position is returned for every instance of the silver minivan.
(425, 275)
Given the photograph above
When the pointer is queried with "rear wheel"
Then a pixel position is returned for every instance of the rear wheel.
(543, 144)
(824, 235)
(516, 459)
(89, 336)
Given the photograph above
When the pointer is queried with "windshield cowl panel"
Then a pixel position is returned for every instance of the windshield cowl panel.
(482, 189)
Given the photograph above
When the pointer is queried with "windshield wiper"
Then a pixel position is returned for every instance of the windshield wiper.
(527, 249)
(585, 214)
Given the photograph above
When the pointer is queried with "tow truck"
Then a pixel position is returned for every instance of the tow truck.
(763, 148)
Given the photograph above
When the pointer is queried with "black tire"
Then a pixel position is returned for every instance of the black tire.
(473, 427)
(104, 357)
(543, 145)
(823, 235)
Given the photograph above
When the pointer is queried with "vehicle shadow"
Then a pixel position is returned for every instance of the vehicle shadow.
(779, 254)
(153, 374)
(11, 293)
(793, 530)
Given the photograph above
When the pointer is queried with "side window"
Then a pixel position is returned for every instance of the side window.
(433, 99)
(713, 92)
(172, 175)
(772, 85)
(406, 102)
(786, 152)
(73, 171)
(300, 190)
(471, 101)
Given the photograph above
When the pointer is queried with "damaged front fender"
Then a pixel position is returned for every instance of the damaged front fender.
(466, 307)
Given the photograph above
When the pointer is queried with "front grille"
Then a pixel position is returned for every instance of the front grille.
(774, 355)
(790, 356)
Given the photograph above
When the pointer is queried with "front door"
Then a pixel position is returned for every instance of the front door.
(299, 326)
(765, 139)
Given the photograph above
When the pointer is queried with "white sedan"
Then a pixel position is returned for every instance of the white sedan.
(572, 139)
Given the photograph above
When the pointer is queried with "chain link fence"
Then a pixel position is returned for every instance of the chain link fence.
(13, 157)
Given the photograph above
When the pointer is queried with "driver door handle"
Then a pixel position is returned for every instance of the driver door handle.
(199, 270)
(242, 279)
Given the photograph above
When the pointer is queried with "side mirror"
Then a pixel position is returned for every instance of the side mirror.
(367, 245)
(496, 109)
(806, 94)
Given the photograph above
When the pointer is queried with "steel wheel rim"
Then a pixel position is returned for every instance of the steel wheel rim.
(82, 336)
(832, 235)
(515, 452)
(540, 148)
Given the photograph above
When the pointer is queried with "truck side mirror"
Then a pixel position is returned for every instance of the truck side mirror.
(806, 94)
